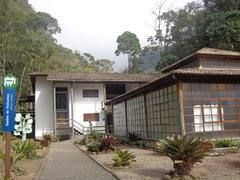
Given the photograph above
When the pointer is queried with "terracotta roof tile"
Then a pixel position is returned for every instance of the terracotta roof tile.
(206, 71)
(188, 71)
(213, 51)
(203, 51)
(96, 77)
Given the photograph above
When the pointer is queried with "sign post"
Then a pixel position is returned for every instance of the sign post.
(9, 96)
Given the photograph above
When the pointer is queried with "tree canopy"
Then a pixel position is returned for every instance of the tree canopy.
(209, 23)
(27, 44)
(128, 43)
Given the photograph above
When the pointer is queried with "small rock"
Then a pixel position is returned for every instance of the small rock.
(167, 177)
(186, 178)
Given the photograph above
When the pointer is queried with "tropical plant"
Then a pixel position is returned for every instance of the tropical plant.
(25, 149)
(134, 136)
(47, 139)
(123, 158)
(94, 136)
(107, 143)
(220, 143)
(184, 152)
(15, 157)
(82, 141)
(93, 146)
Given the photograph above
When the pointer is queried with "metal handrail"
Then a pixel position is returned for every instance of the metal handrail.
(86, 128)
(74, 126)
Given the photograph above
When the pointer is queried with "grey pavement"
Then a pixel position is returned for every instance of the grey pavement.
(66, 161)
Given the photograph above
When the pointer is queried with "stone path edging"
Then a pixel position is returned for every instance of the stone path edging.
(104, 167)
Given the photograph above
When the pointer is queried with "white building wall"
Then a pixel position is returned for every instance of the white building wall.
(43, 106)
(44, 116)
(88, 105)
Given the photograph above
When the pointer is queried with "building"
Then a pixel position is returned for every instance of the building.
(73, 102)
(200, 94)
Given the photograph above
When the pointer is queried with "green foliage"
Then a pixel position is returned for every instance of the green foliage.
(94, 136)
(107, 143)
(184, 152)
(24, 149)
(93, 146)
(128, 43)
(27, 45)
(220, 143)
(210, 23)
(123, 158)
(82, 141)
(123, 140)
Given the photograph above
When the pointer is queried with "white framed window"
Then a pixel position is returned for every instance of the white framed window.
(207, 119)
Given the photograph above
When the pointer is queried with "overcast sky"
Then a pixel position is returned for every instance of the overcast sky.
(93, 25)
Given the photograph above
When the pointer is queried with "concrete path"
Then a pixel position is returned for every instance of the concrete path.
(66, 162)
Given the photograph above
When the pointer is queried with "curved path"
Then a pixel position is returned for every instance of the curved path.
(66, 162)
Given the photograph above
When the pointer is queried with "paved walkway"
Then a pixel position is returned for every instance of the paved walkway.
(66, 162)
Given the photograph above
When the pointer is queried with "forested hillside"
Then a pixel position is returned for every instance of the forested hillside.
(27, 44)
(204, 23)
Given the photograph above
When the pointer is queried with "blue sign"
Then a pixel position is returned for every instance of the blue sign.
(9, 109)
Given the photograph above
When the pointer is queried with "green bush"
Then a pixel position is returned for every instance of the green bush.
(93, 146)
(25, 149)
(184, 152)
(82, 141)
(123, 140)
(220, 143)
(94, 136)
(123, 158)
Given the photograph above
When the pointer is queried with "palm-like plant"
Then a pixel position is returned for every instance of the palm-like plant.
(123, 157)
(184, 152)
(24, 149)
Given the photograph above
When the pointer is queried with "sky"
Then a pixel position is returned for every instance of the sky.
(93, 26)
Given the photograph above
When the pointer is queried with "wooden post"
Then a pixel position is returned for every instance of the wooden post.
(146, 115)
(8, 156)
(125, 103)
(54, 110)
(105, 110)
(181, 108)
(72, 109)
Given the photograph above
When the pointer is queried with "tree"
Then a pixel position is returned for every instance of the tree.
(212, 23)
(27, 44)
(128, 43)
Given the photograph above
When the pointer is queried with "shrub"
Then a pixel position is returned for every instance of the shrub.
(123, 158)
(107, 143)
(47, 139)
(134, 136)
(94, 136)
(93, 146)
(25, 149)
(123, 140)
(184, 152)
(220, 143)
(82, 141)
